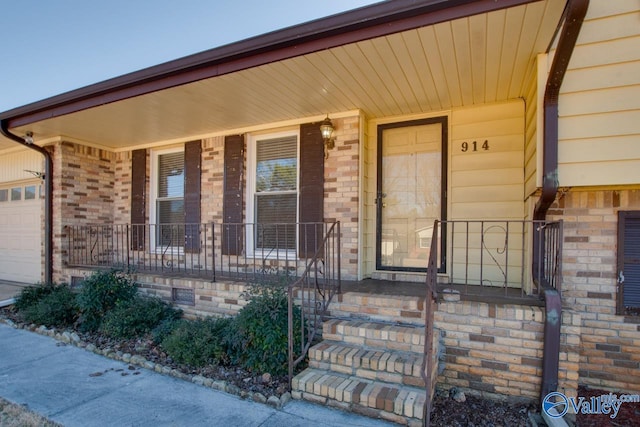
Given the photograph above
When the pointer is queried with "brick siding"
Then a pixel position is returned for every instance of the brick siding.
(610, 343)
(497, 350)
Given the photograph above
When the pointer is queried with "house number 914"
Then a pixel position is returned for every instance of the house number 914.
(473, 146)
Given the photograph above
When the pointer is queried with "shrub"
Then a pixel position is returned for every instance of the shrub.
(198, 342)
(55, 307)
(136, 317)
(262, 331)
(31, 295)
(101, 292)
(163, 329)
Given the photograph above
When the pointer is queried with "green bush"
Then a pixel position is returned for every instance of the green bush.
(198, 342)
(136, 317)
(56, 306)
(163, 329)
(101, 292)
(261, 328)
(31, 295)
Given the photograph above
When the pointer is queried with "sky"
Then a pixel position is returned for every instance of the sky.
(53, 46)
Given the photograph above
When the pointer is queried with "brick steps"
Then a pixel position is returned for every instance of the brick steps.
(382, 308)
(394, 402)
(375, 364)
(375, 334)
(369, 367)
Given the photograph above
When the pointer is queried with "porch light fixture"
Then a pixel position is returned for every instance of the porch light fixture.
(326, 129)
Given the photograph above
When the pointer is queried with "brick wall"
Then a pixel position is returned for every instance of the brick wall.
(212, 180)
(610, 344)
(496, 350)
(341, 203)
(122, 191)
(83, 192)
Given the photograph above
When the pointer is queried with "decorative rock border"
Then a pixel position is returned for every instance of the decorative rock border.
(71, 338)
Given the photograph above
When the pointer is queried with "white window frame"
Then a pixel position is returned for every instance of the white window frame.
(252, 141)
(153, 195)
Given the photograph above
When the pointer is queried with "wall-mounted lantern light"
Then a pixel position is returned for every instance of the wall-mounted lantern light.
(326, 129)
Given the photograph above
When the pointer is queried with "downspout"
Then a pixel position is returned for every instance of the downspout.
(48, 197)
(574, 16)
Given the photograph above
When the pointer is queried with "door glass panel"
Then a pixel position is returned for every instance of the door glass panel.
(411, 192)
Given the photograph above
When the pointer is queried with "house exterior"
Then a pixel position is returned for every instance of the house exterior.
(441, 111)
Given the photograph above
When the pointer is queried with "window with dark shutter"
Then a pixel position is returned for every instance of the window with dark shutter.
(276, 193)
(232, 232)
(311, 189)
(138, 198)
(170, 199)
(629, 262)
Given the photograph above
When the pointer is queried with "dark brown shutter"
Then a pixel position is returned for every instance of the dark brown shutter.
(628, 261)
(232, 231)
(311, 204)
(192, 166)
(138, 198)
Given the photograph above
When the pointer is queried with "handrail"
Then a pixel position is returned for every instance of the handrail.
(429, 303)
(322, 286)
(501, 258)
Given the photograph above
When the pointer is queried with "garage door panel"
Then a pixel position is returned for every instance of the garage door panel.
(20, 240)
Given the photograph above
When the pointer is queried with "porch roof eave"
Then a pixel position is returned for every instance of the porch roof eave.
(383, 19)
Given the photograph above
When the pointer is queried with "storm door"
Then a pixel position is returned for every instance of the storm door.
(411, 191)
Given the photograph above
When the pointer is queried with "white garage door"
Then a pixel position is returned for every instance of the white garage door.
(20, 233)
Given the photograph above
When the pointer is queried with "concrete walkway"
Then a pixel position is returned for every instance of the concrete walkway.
(75, 387)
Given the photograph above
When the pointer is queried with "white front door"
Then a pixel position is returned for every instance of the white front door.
(410, 192)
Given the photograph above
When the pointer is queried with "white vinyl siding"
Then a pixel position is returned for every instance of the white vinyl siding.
(599, 109)
(488, 184)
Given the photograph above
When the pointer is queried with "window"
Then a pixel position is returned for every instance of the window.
(30, 192)
(629, 262)
(274, 191)
(168, 192)
(16, 193)
(4, 195)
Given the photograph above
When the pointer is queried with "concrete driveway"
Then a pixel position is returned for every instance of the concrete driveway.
(9, 290)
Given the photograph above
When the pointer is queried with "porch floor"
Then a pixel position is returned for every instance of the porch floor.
(487, 294)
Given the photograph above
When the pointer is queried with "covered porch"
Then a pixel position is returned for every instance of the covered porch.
(429, 185)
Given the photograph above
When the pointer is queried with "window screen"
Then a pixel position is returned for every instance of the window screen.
(170, 199)
(276, 198)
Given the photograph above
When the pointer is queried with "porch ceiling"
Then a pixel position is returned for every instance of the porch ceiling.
(479, 59)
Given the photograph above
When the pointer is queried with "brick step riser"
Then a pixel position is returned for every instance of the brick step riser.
(382, 314)
(377, 335)
(393, 402)
(401, 374)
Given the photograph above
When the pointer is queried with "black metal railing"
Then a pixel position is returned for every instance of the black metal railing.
(481, 254)
(493, 257)
(312, 293)
(245, 251)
